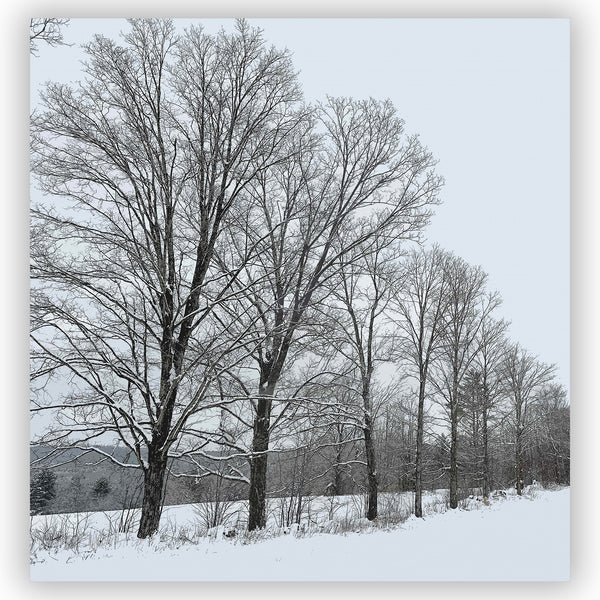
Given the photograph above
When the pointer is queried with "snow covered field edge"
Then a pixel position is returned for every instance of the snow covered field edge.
(513, 539)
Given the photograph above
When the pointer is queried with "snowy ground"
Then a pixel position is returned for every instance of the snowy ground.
(513, 539)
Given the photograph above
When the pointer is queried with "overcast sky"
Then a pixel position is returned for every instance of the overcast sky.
(489, 98)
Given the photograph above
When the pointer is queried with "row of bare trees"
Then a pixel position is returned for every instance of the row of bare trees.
(331, 468)
(218, 269)
(464, 362)
(429, 315)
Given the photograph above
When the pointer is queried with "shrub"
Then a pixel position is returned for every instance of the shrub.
(101, 488)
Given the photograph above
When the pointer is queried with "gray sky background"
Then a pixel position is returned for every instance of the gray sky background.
(490, 99)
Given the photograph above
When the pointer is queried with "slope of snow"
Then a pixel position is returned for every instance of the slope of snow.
(517, 539)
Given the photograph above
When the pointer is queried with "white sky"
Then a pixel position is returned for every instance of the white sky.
(489, 98)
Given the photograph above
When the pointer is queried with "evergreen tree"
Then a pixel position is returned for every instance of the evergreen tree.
(42, 491)
(101, 487)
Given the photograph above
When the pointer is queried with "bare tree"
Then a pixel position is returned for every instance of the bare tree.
(524, 376)
(144, 162)
(418, 303)
(363, 288)
(492, 348)
(550, 444)
(467, 305)
(47, 30)
(360, 177)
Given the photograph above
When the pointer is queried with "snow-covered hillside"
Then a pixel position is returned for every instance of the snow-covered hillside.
(513, 539)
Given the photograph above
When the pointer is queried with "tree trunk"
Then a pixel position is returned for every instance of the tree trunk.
(257, 517)
(371, 469)
(300, 494)
(519, 463)
(371, 474)
(454, 454)
(518, 448)
(486, 456)
(419, 453)
(557, 470)
(370, 454)
(154, 479)
(337, 470)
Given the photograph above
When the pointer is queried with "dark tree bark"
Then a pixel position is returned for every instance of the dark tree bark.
(257, 516)
(152, 503)
(419, 450)
(372, 479)
(519, 471)
(519, 446)
(454, 418)
(335, 486)
(486, 451)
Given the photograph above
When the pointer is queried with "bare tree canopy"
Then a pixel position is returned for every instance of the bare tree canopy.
(148, 157)
(49, 31)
